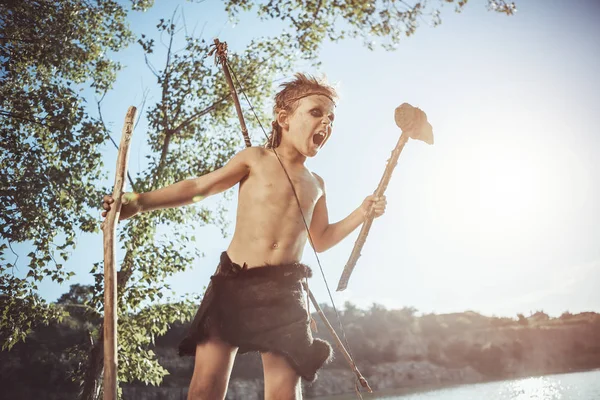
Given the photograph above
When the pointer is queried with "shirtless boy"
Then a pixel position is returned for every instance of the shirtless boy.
(255, 300)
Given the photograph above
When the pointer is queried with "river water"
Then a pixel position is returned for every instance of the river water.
(573, 386)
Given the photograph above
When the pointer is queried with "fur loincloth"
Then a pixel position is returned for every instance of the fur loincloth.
(260, 309)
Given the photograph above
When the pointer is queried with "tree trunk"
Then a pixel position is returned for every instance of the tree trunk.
(94, 371)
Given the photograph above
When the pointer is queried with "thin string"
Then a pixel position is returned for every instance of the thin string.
(303, 218)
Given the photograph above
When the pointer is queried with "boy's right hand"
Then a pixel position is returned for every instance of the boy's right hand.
(129, 205)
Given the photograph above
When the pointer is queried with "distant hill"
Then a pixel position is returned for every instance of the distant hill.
(392, 348)
(396, 348)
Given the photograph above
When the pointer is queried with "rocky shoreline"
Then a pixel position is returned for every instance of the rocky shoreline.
(411, 375)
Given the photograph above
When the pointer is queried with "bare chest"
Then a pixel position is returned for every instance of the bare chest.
(269, 185)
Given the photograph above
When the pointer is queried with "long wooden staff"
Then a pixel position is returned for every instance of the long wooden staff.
(413, 123)
(221, 55)
(109, 227)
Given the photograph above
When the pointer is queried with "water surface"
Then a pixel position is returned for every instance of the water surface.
(573, 386)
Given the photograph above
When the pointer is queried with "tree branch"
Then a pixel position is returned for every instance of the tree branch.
(99, 104)
(139, 117)
(150, 66)
(167, 74)
(11, 115)
(11, 39)
(199, 114)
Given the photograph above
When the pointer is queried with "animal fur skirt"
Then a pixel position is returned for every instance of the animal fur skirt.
(260, 309)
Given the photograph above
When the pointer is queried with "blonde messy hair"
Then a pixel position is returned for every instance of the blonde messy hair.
(288, 99)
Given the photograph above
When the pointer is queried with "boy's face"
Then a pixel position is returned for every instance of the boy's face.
(310, 125)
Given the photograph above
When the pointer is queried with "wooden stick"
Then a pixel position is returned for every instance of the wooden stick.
(109, 227)
(338, 342)
(364, 231)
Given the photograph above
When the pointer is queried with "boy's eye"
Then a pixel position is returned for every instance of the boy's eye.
(316, 113)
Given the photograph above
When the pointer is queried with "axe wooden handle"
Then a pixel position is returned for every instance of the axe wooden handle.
(362, 236)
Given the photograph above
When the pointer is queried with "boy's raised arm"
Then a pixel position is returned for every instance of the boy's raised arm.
(326, 235)
(192, 190)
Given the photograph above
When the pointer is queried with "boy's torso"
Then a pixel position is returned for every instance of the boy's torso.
(269, 227)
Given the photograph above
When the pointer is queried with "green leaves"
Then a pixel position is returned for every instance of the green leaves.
(50, 162)
(22, 311)
(376, 23)
(138, 331)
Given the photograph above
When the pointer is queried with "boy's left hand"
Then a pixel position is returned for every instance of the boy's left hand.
(373, 202)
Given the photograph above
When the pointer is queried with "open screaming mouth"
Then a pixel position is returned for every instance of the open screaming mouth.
(318, 138)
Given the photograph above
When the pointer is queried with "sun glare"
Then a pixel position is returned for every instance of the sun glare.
(496, 191)
(505, 189)
(534, 388)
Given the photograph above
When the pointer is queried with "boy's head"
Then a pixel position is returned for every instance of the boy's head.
(289, 97)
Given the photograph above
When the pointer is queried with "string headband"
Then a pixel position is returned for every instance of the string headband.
(310, 94)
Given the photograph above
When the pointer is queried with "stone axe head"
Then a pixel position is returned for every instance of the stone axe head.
(413, 122)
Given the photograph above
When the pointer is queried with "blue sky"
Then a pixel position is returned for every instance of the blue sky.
(500, 216)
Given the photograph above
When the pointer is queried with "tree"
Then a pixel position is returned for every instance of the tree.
(566, 316)
(539, 316)
(522, 320)
(403, 317)
(42, 367)
(48, 51)
(78, 301)
(351, 312)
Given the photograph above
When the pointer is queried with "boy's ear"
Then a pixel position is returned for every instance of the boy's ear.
(282, 118)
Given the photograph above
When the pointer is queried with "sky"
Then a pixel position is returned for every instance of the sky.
(500, 216)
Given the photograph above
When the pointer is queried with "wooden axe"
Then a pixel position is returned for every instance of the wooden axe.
(413, 123)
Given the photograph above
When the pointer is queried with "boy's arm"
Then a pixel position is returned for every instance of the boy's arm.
(326, 235)
(192, 190)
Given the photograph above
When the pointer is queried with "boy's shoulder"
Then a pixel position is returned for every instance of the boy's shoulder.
(253, 153)
(319, 180)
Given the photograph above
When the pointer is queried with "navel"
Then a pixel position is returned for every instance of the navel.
(275, 245)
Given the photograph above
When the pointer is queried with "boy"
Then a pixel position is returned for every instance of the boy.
(255, 301)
